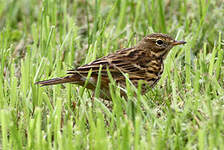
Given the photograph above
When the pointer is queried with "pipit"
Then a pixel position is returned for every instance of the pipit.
(141, 62)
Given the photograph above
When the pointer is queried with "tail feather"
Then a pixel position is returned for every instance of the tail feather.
(54, 81)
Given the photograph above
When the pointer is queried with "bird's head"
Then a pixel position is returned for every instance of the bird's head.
(158, 44)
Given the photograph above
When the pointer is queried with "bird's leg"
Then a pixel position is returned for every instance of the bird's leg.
(93, 95)
(73, 105)
(92, 99)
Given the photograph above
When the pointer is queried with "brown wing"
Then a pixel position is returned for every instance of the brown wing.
(134, 61)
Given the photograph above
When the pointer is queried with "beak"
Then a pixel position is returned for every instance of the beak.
(178, 43)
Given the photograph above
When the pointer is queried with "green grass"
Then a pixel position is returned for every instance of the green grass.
(43, 39)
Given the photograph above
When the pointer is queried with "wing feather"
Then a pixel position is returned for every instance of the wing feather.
(131, 60)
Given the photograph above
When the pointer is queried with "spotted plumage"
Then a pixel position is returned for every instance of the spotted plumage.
(141, 62)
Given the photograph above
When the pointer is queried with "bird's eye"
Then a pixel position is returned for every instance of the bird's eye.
(159, 42)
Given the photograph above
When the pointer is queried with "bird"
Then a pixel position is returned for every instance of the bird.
(142, 62)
